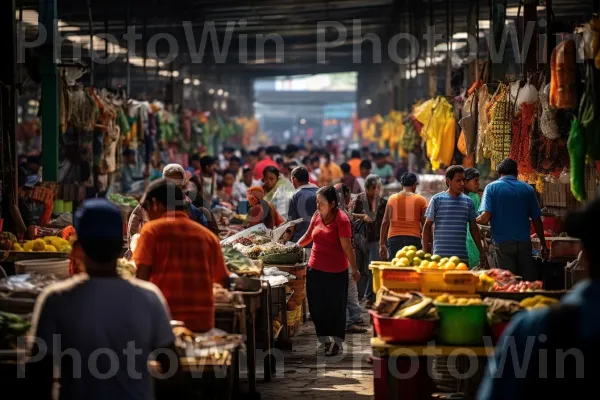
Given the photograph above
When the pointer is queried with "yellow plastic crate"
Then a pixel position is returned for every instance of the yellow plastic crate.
(436, 282)
(398, 279)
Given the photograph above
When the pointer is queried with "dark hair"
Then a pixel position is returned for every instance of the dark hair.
(408, 179)
(272, 170)
(166, 193)
(207, 161)
(253, 153)
(315, 159)
(453, 170)
(301, 174)
(273, 150)
(345, 189)
(366, 164)
(306, 160)
(126, 153)
(355, 154)
(508, 167)
(246, 170)
(378, 156)
(235, 159)
(291, 165)
(260, 149)
(327, 155)
(471, 173)
(291, 149)
(228, 149)
(102, 250)
(279, 160)
(329, 193)
(345, 168)
(228, 172)
(195, 157)
(198, 196)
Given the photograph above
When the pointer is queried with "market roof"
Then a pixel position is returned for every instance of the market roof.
(295, 21)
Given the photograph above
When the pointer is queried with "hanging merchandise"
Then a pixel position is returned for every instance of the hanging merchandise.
(522, 128)
(484, 142)
(500, 128)
(563, 93)
(590, 118)
(469, 122)
(409, 140)
(548, 124)
(577, 149)
(521, 92)
(439, 130)
(595, 43)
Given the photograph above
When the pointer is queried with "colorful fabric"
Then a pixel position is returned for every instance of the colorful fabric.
(450, 214)
(472, 249)
(327, 254)
(186, 260)
(329, 173)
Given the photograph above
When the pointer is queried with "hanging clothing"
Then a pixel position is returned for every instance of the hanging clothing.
(500, 120)
(522, 128)
(439, 130)
(484, 142)
(563, 90)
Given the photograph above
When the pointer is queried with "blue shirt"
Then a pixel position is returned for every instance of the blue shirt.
(522, 335)
(512, 203)
(450, 216)
(303, 204)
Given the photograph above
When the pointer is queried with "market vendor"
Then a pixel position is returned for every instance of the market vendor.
(181, 257)
(508, 205)
(278, 190)
(451, 211)
(261, 211)
(98, 311)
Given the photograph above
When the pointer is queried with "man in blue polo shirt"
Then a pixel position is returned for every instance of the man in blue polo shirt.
(450, 212)
(508, 204)
(303, 203)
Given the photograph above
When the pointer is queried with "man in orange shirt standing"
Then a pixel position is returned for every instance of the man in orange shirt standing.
(330, 171)
(402, 222)
(180, 256)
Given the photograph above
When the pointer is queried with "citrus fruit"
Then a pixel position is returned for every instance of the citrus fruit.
(450, 265)
(405, 262)
(411, 254)
(427, 256)
(435, 258)
(413, 248)
(395, 262)
(433, 265)
(455, 260)
(421, 254)
(424, 263)
(401, 254)
(462, 267)
(417, 261)
(443, 261)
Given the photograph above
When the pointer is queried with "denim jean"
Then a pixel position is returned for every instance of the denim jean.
(353, 310)
(396, 243)
(365, 286)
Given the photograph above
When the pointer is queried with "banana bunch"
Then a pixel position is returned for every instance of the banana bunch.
(538, 301)
(417, 307)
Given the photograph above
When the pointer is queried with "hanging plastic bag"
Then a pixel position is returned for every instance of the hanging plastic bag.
(548, 124)
(577, 150)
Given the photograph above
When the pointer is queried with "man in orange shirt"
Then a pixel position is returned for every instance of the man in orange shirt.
(354, 163)
(402, 222)
(180, 256)
(330, 172)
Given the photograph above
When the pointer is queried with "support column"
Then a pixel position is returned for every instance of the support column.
(8, 75)
(530, 65)
(50, 105)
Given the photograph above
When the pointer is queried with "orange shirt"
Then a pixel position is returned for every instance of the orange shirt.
(329, 173)
(355, 167)
(186, 259)
(407, 211)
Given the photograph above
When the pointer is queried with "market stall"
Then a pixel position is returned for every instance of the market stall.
(432, 311)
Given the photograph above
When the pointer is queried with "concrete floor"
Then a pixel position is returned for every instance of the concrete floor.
(303, 375)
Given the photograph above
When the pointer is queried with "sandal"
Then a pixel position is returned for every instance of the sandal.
(356, 329)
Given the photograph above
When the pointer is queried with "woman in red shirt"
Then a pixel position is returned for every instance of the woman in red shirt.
(327, 276)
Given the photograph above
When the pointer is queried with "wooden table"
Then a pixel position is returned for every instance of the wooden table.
(396, 376)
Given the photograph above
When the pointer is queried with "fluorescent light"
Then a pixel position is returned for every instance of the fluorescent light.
(211, 91)
(226, 94)
(368, 102)
(187, 81)
(220, 92)
(175, 74)
(455, 46)
(196, 82)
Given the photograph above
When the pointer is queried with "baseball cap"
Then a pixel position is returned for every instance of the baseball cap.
(99, 219)
(409, 179)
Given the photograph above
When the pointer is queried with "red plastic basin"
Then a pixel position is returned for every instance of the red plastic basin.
(403, 330)
(498, 330)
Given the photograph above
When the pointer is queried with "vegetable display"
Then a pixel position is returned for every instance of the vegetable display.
(238, 263)
(407, 305)
(12, 326)
(125, 268)
(409, 256)
(121, 200)
(49, 244)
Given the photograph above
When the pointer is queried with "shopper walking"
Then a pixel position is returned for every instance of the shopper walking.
(354, 322)
(303, 203)
(566, 336)
(472, 190)
(509, 204)
(451, 211)
(369, 206)
(327, 276)
(403, 219)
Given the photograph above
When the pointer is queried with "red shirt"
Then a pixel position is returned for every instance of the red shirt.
(261, 165)
(186, 259)
(327, 252)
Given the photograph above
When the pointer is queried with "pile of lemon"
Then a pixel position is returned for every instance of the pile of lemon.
(409, 256)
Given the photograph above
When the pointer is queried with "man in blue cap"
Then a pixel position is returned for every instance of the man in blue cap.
(106, 325)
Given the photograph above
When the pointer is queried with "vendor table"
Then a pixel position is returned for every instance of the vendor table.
(396, 377)
(279, 300)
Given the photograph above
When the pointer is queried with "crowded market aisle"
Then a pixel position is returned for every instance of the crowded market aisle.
(305, 375)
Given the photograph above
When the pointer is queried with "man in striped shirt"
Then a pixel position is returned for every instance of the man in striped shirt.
(448, 214)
